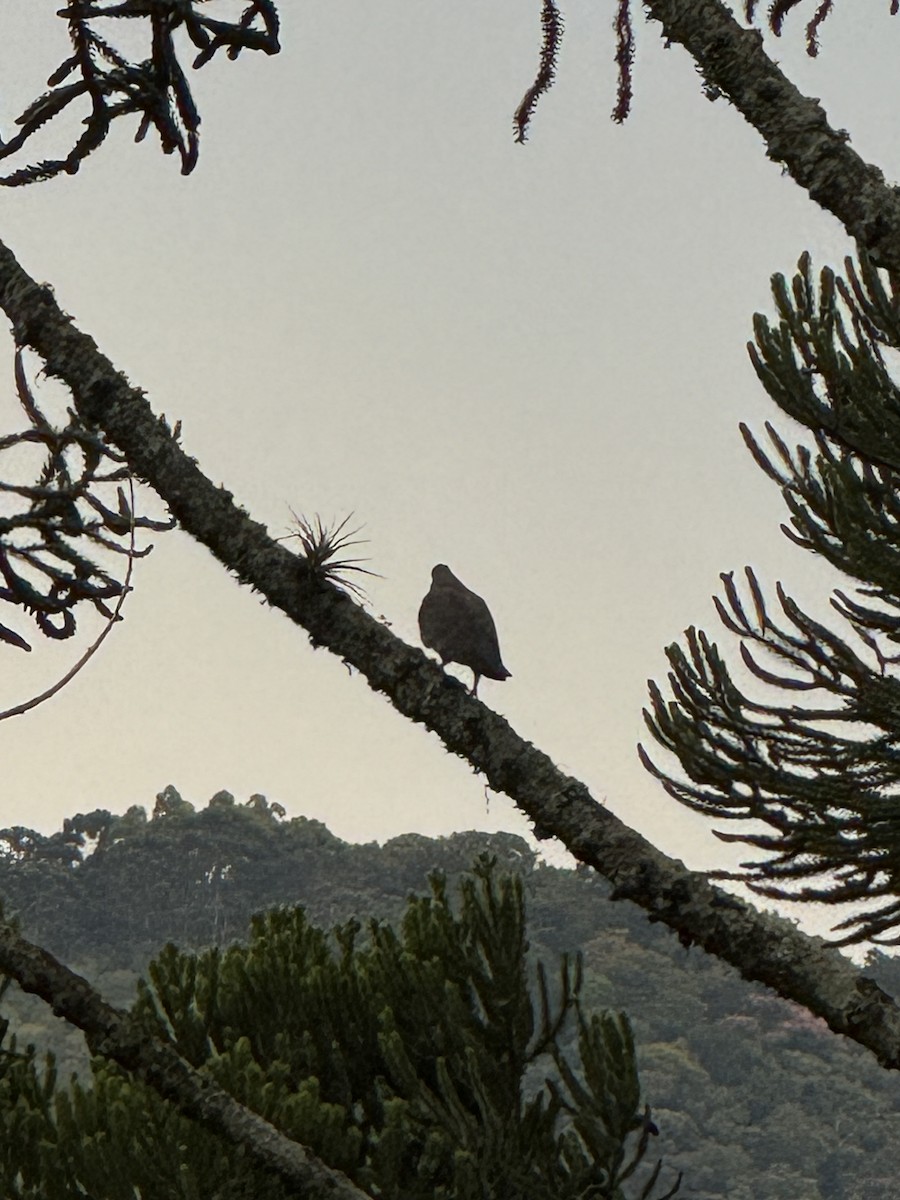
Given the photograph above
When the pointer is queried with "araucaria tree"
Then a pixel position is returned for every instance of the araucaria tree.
(423, 1061)
(814, 754)
(820, 776)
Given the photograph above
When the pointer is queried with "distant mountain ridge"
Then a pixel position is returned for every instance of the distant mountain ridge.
(753, 1096)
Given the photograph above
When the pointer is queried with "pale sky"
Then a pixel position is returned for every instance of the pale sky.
(527, 362)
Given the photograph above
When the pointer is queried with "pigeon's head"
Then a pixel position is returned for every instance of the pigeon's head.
(442, 575)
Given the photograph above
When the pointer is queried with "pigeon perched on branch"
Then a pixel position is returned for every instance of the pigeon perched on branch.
(458, 625)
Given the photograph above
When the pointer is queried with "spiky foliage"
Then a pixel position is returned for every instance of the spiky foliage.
(322, 543)
(551, 41)
(52, 527)
(552, 28)
(779, 9)
(411, 1060)
(823, 775)
(155, 88)
(624, 60)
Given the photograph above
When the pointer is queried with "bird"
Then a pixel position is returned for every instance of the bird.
(458, 625)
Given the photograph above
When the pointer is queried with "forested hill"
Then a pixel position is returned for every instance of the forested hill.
(753, 1096)
(117, 888)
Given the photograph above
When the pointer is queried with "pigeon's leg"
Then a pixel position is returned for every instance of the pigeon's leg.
(474, 691)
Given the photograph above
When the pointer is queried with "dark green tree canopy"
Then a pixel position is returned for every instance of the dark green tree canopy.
(420, 1061)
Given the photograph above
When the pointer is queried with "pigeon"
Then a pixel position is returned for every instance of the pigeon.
(458, 625)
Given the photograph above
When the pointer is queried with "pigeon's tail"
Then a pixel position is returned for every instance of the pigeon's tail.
(498, 673)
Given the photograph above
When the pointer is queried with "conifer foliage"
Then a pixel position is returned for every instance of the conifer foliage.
(109, 82)
(418, 1061)
(823, 775)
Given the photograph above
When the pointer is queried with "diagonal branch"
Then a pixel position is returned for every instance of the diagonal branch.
(794, 127)
(761, 946)
(119, 1036)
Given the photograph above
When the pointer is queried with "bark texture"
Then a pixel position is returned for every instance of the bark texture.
(760, 946)
(794, 127)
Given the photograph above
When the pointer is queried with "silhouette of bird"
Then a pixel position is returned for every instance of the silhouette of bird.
(458, 625)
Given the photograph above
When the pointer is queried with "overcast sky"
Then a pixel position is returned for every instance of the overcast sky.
(527, 362)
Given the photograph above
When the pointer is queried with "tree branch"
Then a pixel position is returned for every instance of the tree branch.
(794, 127)
(761, 946)
(120, 1037)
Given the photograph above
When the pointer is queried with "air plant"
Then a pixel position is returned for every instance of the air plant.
(321, 543)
